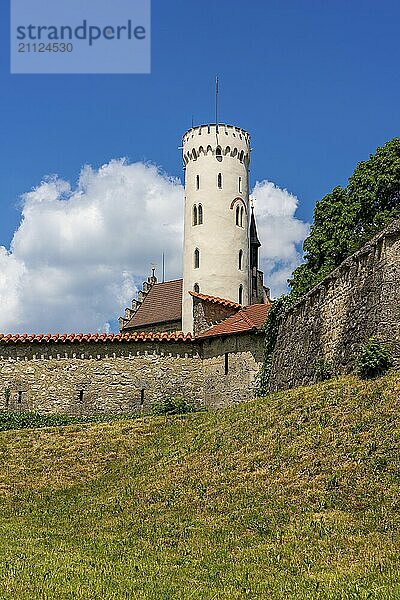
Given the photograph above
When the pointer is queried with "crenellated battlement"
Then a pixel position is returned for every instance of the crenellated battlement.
(216, 140)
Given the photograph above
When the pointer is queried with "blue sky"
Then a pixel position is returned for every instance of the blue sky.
(316, 83)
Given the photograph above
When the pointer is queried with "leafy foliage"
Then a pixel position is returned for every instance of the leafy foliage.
(373, 359)
(173, 405)
(323, 369)
(271, 328)
(347, 217)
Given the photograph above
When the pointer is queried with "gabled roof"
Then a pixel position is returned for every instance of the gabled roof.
(250, 318)
(162, 304)
(74, 338)
(216, 300)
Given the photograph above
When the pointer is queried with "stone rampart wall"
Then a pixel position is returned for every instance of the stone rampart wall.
(360, 299)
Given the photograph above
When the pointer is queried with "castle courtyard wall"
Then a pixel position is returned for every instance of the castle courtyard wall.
(243, 356)
(87, 378)
(119, 377)
(360, 299)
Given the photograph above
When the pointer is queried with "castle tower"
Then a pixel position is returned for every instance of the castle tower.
(216, 215)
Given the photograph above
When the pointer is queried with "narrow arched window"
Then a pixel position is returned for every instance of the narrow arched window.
(241, 216)
(196, 288)
(240, 185)
(197, 182)
(237, 215)
(200, 214)
(194, 155)
(218, 154)
(219, 179)
(196, 258)
(194, 215)
(241, 156)
(240, 294)
(240, 262)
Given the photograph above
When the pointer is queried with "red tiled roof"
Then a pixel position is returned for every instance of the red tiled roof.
(94, 337)
(250, 318)
(162, 304)
(216, 300)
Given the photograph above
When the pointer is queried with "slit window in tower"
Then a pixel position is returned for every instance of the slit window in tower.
(196, 258)
(196, 288)
(240, 185)
(226, 363)
(194, 215)
(218, 154)
(80, 395)
(240, 294)
(197, 182)
(142, 397)
(241, 156)
(237, 215)
(19, 397)
(200, 215)
(240, 260)
(219, 180)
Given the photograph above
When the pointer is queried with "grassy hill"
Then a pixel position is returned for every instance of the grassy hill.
(290, 496)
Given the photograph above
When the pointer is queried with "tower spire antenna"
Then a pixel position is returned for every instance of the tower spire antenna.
(216, 99)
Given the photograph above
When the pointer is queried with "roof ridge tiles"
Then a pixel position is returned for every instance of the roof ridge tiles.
(58, 338)
(215, 299)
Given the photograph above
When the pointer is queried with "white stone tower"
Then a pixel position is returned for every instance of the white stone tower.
(217, 215)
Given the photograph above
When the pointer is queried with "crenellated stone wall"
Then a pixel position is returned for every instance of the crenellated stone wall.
(359, 299)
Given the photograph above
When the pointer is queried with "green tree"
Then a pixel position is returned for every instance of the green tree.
(346, 218)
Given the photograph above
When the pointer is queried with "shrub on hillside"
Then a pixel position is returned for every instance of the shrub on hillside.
(173, 405)
(373, 359)
(323, 369)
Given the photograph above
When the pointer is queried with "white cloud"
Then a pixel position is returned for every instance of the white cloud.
(280, 233)
(78, 254)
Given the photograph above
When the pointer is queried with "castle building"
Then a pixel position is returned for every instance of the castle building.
(202, 337)
(221, 245)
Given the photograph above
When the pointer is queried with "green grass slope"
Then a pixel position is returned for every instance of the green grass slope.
(291, 496)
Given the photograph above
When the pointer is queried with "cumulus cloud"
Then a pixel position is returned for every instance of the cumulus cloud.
(80, 254)
(280, 233)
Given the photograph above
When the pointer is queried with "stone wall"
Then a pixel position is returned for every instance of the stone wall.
(206, 314)
(166, 327)
(359, 299)
(86, 378)
(230, 365)
(105, 377)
